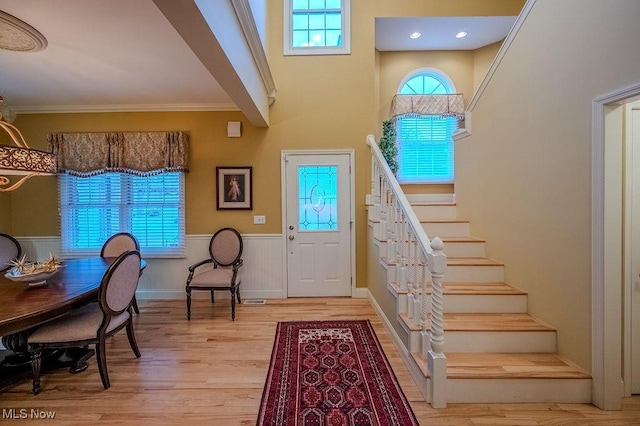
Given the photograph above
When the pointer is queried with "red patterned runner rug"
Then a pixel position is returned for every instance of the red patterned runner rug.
(331, 373)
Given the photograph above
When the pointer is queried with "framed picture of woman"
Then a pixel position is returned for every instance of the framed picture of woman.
(234, 188)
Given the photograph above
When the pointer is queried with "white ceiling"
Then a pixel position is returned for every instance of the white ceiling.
(438, 33)
(123, 55)
(102, 55)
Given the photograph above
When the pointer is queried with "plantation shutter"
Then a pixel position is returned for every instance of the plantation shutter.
(425, 148)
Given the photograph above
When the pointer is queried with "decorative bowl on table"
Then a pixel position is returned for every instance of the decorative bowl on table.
(34, 273)
(34, 278)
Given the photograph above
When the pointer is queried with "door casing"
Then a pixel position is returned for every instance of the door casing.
(283, 186)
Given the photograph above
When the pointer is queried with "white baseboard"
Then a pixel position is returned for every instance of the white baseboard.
(360, 293)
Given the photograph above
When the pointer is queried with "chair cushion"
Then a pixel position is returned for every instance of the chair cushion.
(219, 277)
(81, 324)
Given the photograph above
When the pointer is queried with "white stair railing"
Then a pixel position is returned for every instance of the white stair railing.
(417, 261)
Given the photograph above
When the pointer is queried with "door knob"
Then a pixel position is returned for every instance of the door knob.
(291, 237)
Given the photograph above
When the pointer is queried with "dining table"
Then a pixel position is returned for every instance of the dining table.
(24, 306)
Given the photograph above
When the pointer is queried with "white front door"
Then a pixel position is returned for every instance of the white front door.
(318, 223)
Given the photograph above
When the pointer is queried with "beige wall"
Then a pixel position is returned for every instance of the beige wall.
(35, 204)
(482, 60)
(400, 8)
(524, 175)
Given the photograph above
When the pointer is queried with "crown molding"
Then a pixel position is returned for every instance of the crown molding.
(123, 108)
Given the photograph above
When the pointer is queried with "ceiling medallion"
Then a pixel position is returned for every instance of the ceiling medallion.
(17, 35)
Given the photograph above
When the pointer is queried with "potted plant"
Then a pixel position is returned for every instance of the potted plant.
(388, 145)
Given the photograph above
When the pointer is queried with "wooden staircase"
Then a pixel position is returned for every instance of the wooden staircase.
(496, 352)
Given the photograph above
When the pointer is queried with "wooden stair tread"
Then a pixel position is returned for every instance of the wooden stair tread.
(472, 289)
(533, 365)
(485, 322)
(446, 240)
(492, 322)
(443, 221)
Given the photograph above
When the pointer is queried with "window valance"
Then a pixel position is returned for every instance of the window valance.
(450, 105)
(138, 153)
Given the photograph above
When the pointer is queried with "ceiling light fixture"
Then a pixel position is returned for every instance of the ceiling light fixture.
(415, 35)
(461, 34)
(21, 160)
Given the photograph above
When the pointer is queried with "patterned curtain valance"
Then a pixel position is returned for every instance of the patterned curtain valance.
(138, 153)
(451, 105)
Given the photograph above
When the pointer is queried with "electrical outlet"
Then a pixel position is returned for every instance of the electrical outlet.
(259, 220)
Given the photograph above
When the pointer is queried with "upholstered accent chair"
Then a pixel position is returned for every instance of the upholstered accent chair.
(118, 244)
(221, 271)
(93, 323)
(9, 250)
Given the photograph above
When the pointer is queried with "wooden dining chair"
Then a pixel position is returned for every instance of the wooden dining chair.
(10, 250)
(220, 271)
(118, 244)
(95, 322)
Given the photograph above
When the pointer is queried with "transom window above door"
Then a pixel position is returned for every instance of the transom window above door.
(317, 27)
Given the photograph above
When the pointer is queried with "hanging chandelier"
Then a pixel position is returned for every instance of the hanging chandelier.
(20, 160)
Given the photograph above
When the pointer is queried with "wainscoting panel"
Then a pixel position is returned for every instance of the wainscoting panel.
(262, 273)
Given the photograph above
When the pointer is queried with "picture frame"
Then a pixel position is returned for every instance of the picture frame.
(234, 188)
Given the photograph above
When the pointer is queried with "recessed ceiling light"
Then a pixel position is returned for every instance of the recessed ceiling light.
(461, 34)
(415, 35)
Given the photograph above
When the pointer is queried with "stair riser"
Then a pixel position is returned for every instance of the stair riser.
(451, 249)
(497, 341)
(446, 229)
(461, 274)
(509, 391)
(435, 212)
(499, 303)
(476, 274)
(464, 249)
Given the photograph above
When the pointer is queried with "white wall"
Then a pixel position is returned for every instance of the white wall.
(166, 278)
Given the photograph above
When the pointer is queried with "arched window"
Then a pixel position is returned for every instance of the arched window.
(425, 142)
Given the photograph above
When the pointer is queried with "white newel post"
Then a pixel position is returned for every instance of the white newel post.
(436, 360)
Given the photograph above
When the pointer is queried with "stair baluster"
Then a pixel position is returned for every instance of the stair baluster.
(402, 227)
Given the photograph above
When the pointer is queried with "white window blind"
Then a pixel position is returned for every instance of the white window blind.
(150, 207)
(425, 149)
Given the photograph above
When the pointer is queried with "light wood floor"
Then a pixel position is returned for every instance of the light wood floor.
(211, 371)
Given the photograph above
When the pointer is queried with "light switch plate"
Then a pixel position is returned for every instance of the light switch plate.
(259, 220)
